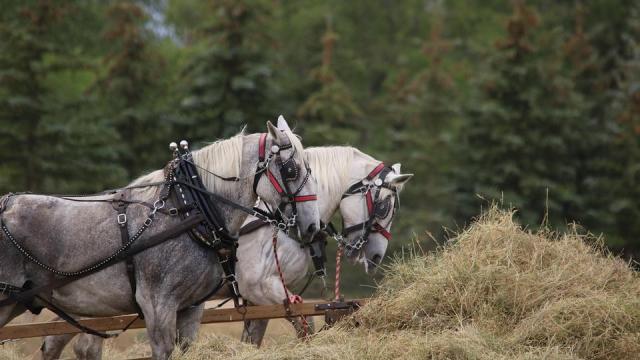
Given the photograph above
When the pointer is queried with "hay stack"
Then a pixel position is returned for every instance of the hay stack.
(496, 292)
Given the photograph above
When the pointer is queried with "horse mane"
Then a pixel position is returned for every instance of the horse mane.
(331, 166)
(222, 157)
(295, 141)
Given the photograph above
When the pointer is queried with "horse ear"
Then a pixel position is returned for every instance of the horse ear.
(272, 130)
(396, 168)
(398, 180)
(282, 124)
(277, 135)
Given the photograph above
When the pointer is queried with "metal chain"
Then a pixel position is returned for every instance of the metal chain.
(32, 258)
(159, 204)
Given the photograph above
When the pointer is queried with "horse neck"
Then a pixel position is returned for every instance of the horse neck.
(240, 192)
(330, 189)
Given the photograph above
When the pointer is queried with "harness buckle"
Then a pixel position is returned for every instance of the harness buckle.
(234, 284)
(216, 237)
(158, 204)
(8, 288)
(292, 221)
(339, 239)
(173, 211)
(122, 219)
(148, 221)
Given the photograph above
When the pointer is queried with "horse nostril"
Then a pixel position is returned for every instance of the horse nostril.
(377, 259)
(311, 229)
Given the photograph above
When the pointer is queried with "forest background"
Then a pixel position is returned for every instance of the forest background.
(534, 104)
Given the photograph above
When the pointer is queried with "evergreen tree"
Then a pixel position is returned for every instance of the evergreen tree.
(228, 80)
(519, 135)
(131, 90)
(52, 149)
(422, 110)
(330, 112)
(625, 192)
(603, 60)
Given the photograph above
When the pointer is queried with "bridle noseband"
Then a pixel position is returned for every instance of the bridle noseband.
(289, 172)
(377, 209)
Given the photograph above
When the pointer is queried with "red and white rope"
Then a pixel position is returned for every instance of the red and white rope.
(338, 268)
(290, 299)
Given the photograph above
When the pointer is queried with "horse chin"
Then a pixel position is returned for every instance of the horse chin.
(369, 266)
(357, 258)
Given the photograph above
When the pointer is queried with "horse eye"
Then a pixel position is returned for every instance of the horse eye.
(382, 208)
(290, 171)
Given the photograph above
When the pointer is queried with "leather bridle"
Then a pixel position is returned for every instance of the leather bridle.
(289, 172)
(377, 209)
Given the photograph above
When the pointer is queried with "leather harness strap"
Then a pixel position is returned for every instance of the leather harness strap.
(252, 226)
(375, 171)
(121, 208)
(275, 182)
(370, 188)
(151, 241)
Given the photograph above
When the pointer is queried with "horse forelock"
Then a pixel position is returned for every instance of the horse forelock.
(295, 141)
(332, 167)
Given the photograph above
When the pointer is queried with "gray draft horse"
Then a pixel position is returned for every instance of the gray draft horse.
(336, 169)
(171, 277)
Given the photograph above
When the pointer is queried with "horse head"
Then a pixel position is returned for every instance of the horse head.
(284, 181)
(368, 209)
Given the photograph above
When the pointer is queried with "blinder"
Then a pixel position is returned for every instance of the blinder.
(382, 208)
(289, 170)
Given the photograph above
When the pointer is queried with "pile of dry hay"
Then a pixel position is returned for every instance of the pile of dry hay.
(496, 292)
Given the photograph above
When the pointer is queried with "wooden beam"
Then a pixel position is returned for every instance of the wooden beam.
(61, 327)
(209, 316)
(258, 313)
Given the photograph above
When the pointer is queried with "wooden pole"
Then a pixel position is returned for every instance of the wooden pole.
(209, 316)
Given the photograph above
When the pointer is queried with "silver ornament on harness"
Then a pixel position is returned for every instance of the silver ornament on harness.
(173, 146)
(184, 144)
